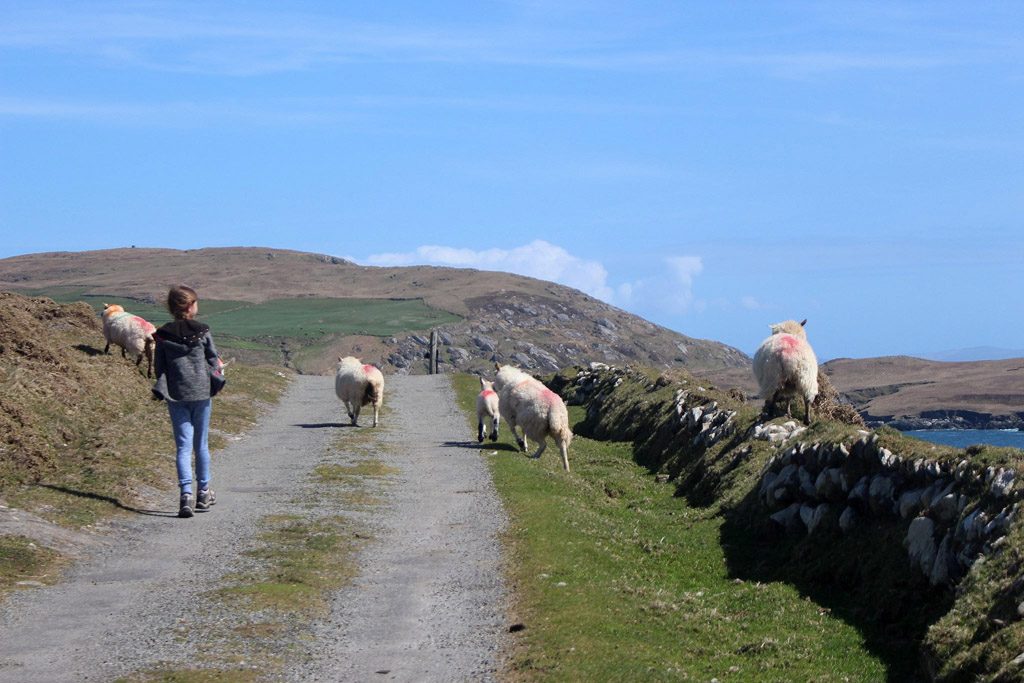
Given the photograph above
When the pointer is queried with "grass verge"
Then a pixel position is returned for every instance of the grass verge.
(618, 579)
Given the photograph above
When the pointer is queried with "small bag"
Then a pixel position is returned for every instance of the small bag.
(217, 378)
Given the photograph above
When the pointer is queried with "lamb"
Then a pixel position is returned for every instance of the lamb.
(487, 408)
(538, 411)
(785, 366)
(133, 334)
(358, 385)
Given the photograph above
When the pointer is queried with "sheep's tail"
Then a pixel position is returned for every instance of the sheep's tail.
(370, 397)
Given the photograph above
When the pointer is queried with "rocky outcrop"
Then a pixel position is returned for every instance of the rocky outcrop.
(543, 334)
(947, 419)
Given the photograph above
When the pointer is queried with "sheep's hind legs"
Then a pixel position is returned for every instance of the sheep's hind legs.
(543, 445)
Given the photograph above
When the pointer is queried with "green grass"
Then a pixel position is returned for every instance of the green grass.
(315, 318)
(308, 318)
(619, 579)
(300, 562)
(24, 563)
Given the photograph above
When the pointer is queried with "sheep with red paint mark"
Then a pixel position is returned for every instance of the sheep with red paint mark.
(357, 385)
(487, 409)
(132, 333)
(785, 367)
(540, 413)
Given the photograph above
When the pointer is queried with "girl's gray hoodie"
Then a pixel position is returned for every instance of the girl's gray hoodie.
(184, 357)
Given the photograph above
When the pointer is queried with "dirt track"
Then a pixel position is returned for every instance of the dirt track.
(428, 603)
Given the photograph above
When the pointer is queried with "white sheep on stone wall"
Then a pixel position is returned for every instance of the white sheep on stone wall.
(538, 411)
(785, 366)
(133, 334)
(487, 409)
(358, 385)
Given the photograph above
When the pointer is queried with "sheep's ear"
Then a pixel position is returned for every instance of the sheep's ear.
(482, 380)
(497, 367)
(803, 322)
(339, 359)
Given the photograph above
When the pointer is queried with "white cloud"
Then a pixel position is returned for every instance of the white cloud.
(750, 303)
(668, 289)
(539, 259)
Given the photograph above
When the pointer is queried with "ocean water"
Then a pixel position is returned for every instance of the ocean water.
(962, 438)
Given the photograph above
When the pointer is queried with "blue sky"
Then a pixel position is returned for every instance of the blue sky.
(711, 166)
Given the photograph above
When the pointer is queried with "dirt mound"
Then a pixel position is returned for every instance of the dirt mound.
(62, 402)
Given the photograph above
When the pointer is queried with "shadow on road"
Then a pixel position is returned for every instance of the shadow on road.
(324, 425)
(481, 446)
(111, 500)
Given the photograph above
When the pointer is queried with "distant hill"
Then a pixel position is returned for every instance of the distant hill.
(974, 353)
(500, 317)
(914, 393)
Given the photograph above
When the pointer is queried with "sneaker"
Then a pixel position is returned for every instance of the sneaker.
(185, 505)
(205, 499)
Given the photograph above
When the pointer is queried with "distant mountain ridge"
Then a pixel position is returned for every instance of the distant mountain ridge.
(915, 393)
(974, 353)
(506, 318)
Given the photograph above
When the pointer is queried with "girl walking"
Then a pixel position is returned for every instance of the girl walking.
(188, 373)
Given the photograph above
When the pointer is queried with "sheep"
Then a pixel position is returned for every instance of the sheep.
(487, 408)
(538, 411)
(133, 334)
(358, 385)
(785, 366)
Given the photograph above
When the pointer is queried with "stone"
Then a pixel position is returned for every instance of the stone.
(806, 483)
(920, 544)
(946, 508)
(973, 525)
(829, 485)
(859, 492)
(847, 520)
(909, 503)
(1002, 482)
(788, 519)
(766, 484)
(777, 487)
(998, 526)
(837, 455)
(806, 513)
(881, 491)
(484, 343)
(819, 515)
(940, 572)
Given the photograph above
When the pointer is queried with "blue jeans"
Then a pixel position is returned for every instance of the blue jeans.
(191, 423)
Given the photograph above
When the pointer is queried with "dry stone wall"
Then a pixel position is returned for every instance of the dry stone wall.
(957, 513)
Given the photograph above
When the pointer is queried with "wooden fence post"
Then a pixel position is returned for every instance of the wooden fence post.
(433, 352)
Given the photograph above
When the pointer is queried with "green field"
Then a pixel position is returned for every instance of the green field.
(619, 579)
(306, 318)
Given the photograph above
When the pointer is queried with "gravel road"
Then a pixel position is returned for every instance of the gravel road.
(428, 602)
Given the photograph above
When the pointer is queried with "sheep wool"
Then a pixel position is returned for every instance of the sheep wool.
(358, 384)
(132, 333)
(525, 402)
(785, 366)
(487, 408)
